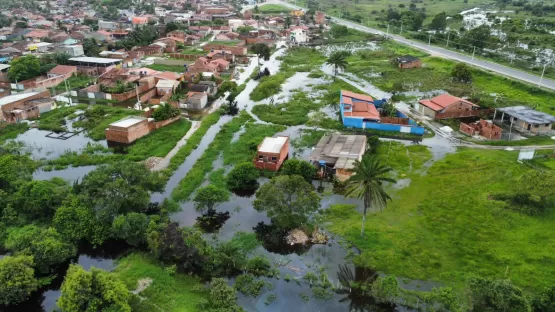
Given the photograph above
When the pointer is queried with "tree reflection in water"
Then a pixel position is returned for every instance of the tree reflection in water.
(356, 286)
(212, 221)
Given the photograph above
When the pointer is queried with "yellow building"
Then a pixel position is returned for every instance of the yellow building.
(297, 13)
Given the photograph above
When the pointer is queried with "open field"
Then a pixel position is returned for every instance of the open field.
(172, 68)
(273, 8)
(446, 227)
(168, 292)
(486, 89)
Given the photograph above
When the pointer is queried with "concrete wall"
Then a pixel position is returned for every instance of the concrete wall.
(183, 56)
(171, 62)
(237, 50)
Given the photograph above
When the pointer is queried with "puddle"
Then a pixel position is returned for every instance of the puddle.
(69, 174)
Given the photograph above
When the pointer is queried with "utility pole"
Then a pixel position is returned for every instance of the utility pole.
(67, 91)
(448, 35)
(401, 28)
(429, 39)
(543, 72)
(473, 51)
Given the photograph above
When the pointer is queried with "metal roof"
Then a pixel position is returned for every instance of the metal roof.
(339, 150)
(98, 60)
(528, 114)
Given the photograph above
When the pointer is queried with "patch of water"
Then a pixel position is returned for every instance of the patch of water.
(42, 147)
(352, 47)
(69, 174)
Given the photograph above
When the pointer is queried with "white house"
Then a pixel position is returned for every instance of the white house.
(298, 34)
(72, 50)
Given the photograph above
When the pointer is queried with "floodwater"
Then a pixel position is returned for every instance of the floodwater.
(42, 147)
(69, 174)
(103, 257)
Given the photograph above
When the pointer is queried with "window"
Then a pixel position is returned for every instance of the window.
(260, 157)
(274, 158)
(547, 125)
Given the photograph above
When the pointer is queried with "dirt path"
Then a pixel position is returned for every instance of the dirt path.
(163, 164)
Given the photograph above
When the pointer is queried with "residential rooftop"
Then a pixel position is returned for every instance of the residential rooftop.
(339, 150)
(128, 121)
(16, 97)
(528, 114)
(272, 145)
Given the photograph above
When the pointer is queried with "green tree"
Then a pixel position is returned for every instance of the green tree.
(227, 86)
(21, 24)
(23, 68)
(299, 167)
(131, 227)
(222, 297)
(244, 29)
(545, 302)
(74, 220)
(461, 73)
(61, 58)
(17, 279)
(15, 169)
(385, 289)
(165, 111)
(288, 200)
(171, 26)
(119, 188)
(262, 50)
(38, 200)
(256, 9)
(96, 290)
(478, 37)
(46, 245)
(287, 22)
(487, 295)
(208, 197)
(244, 176)
(338, 60)
(366, 183)
(338, 31)
(439, 22)
(90, 47)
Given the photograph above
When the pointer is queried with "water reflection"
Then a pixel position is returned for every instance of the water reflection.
(355, 288)
(212, 221)
(273, 240)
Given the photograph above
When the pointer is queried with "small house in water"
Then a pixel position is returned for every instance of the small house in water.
(271, 153)
(336, 154)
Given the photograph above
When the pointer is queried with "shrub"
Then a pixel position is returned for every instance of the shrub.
(165, 111)
(299, 167)
(243, 176)
(259, 266)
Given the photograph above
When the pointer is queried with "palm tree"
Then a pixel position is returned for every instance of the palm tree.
(366, 183)
(338, 60)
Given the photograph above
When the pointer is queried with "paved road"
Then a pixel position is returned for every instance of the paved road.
(441, 52)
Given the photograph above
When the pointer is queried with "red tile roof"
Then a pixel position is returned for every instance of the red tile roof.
(357, 96)
(442, 101)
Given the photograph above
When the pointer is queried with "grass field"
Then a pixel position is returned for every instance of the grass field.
(446, 227)
(486, 89)
(172, 293)
(11, 131)
(172, 68)
(160, 142)
(273, 8)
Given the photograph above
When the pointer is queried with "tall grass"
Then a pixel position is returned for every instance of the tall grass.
(445, 226)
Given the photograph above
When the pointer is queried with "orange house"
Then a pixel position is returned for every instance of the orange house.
(271, 153)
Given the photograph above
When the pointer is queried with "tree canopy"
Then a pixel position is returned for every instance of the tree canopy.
(262, 50)
(119, 188)
(17, 279)
(243, 176)
(96, 290)
(288, 200)
(489, 295)
(206, 198)
(461, 73)
(299, 167)
(23, 68)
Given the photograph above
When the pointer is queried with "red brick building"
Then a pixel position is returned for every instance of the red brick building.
(447, 106)
(271, 153)
(23, 106)
(482, 127)
(408, 61)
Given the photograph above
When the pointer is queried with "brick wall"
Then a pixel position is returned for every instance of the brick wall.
(394, 120)
(255, 40)
(43, 82)
(184, 56)
(29, 110)
(155, 125)
(127, 135)
(415, 64)
(237, 50)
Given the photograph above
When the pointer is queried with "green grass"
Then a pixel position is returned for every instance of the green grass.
(269, 86)
(192, 142)
(75, 81)
(273, 8)
(230, 43)
(172, 293)
(171, 68)
(445, 226)
(435, 75)
(309, 138)
(98, 118)
(192, 50)
(160, 142)
(54, 120)
(203, 166)
(244, 149)
(405, 160)
(11, 131)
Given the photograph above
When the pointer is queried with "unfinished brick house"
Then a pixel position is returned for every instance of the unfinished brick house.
(271, 153)
(22, 106)
(240, 49)
(483, 128)
(132, 128)
(408, 61)
(203, 65)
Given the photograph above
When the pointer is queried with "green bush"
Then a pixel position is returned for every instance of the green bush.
(165, 111)
(244, 176)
